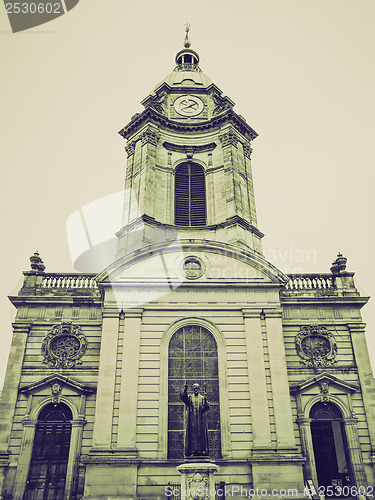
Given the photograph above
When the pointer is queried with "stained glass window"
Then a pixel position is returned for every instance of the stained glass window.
(192, 358)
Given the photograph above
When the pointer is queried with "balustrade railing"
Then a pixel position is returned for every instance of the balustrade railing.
(69, 281)
(311, 282)
(296, 282)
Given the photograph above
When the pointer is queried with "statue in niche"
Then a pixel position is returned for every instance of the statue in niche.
(196, 438)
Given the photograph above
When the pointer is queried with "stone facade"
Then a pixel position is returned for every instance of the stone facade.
(289, 349)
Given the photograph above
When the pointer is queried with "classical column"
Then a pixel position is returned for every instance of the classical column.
(260, 419)
(308, 448)
(11, 383)
(24, 458)
(279, 380)
(74, 453)
(366, 377)
(106, 380)
(126, 439)
(355, 452)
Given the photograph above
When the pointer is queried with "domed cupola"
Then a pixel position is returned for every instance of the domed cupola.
(187, 59)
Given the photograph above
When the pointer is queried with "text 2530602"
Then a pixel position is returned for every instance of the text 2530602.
(33, 8)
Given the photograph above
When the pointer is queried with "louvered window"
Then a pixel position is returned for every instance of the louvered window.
(190, 195)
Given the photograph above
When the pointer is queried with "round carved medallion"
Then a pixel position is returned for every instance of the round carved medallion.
(64, 346)
(316, 346)
(192, 268)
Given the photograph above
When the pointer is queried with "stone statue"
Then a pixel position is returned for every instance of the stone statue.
(196, 440)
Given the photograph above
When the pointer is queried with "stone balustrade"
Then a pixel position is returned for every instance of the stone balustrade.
(311, 282)
(69, 281)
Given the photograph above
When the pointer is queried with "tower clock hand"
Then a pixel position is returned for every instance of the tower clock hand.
(193, 105)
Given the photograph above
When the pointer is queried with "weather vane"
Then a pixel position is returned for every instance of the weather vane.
(186, 41)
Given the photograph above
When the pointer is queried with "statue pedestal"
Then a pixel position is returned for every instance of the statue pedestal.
(197, 480)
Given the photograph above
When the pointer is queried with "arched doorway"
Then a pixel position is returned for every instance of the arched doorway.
(330, 446)
(49, 460)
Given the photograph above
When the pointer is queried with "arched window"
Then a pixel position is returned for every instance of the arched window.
(190, 195)
(49, 460)
(330, 446)
(192, 358)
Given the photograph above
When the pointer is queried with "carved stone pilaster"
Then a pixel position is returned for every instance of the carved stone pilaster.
(130, 148)
(355, 452)
(307, 448)
(150, 137)
(247, 150)
(228, 139)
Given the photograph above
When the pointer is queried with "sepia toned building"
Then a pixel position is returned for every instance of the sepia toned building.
(91, 402)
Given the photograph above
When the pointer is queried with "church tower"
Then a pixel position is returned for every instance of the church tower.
(189, 167)
(91, 404)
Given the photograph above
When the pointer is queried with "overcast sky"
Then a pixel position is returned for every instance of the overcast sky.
(301, 72)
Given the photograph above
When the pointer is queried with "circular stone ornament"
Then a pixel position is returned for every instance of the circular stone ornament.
(316, 346)
(192, 268)
(63, 346)
(188, 105)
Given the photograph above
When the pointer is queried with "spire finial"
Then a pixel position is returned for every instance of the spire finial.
(187, 41)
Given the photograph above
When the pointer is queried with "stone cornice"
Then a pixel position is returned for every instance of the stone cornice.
(324, 299)
(57, 377)
(153, 116)
(300, 386)
(55, 300)
(180, 89)
(111, 456)
(229, 138)
(189, 148)
(227, 223)
(150, 136)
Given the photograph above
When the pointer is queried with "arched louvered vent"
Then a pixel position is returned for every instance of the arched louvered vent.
(190, 195)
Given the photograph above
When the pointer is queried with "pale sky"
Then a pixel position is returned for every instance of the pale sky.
(302, 73)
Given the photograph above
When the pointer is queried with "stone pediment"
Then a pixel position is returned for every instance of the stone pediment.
(46, 383)
(319, 381)
(192, 261)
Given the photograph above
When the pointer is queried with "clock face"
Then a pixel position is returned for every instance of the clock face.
(188, 105)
